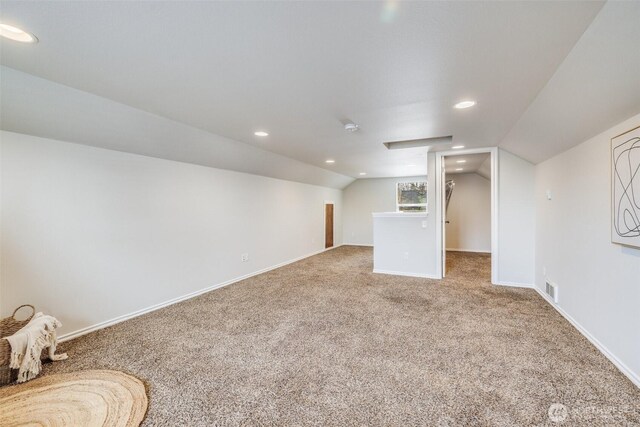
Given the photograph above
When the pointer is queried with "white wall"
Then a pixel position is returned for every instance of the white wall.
(469, 214)
(401, 244)
(516, 216)
(90, 234)
(599, 282)
(516, 220)
(364, 196)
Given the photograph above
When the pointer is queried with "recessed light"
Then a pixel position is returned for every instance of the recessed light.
(464, 104)
(459, 169)
(461, 161)
(261, 133)
(329, 161)
(16, 34)
(457, 147)
(363, 173)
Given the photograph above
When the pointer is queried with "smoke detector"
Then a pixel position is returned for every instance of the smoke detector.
(351, 127)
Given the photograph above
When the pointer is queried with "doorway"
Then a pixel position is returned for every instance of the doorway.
(467, 213)
(328, 225)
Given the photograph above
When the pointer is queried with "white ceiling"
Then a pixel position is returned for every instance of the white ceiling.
(296, 69)
(596, 87)
(472, 163)
(40, 107)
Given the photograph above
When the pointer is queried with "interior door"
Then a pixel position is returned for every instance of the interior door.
(328, 225)
(443, 209)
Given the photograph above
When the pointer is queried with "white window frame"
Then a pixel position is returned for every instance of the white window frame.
(425, 204)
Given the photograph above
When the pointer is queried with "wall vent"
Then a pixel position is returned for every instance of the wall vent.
(552, 290)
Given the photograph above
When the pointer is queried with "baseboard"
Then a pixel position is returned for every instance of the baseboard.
(468, 250)
(357, 244)
(515, 285)
(635, 379)
(402, 273)
(115, 320)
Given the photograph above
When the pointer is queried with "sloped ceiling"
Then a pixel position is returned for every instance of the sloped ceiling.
(192, 81)
(40, 107)
(473, 163)
(596, 87)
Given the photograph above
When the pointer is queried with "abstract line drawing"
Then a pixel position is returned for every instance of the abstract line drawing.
(625, 191)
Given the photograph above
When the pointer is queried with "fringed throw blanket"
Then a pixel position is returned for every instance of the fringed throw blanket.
(27, 345)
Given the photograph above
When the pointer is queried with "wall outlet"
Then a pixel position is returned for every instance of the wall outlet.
(244, 257)
(544, 271)
(406, 255)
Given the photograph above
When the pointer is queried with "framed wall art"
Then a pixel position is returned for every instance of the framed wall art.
(625, 188)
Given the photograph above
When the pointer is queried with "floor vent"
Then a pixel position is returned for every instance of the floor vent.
(552, 290)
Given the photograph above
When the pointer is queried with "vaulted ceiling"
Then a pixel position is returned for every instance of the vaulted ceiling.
(469, 163)
(218, 71)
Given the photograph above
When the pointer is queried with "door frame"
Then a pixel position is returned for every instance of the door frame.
(443, 229)
(440, 208)
(324, 224)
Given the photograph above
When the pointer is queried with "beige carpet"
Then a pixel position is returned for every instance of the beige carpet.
(326, 342)
(82, 398)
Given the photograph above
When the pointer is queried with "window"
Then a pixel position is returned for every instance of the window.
(412, 196)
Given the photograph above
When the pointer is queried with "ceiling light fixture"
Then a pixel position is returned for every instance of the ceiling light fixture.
(351, 127)
(464, 104)
(16, 34)
(261, 133)
(461, 161)
(457, 147)
(363, 173)
(329, 161)
(459, 169)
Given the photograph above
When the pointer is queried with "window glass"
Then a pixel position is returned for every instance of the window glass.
(411, 197)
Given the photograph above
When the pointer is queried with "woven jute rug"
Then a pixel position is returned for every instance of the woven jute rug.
(85, 398)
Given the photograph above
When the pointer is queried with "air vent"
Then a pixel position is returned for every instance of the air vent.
(552, 290)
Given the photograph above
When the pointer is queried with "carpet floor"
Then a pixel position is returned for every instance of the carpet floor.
(326, 342)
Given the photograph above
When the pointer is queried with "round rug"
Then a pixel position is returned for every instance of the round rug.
(85, 398)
